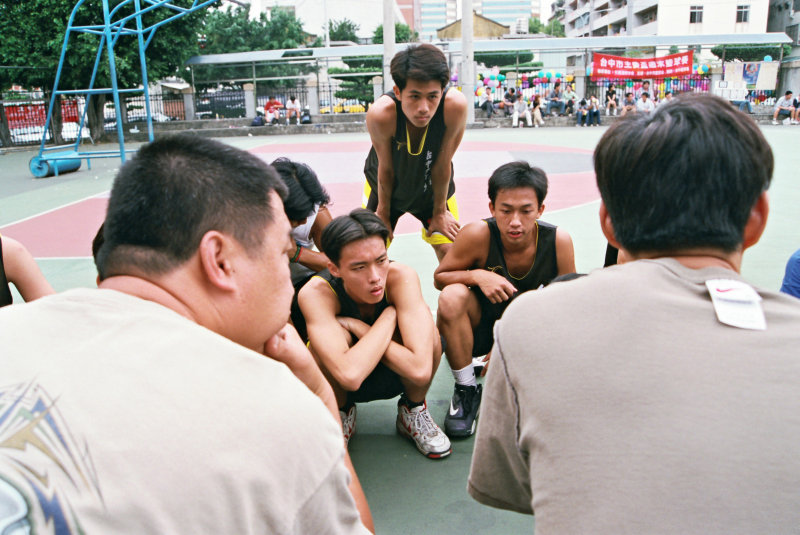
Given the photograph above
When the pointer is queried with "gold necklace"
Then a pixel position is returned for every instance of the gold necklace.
(421, 143)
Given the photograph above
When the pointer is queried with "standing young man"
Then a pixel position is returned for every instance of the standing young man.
(371, 331)
(415, 131)
(493, 261)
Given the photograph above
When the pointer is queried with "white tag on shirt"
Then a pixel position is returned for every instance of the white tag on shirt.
(737, 304)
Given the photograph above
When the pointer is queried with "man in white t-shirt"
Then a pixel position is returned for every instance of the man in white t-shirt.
(148, 405)
(659, 395)
(292, 109)
(645, 104)
(784, 109)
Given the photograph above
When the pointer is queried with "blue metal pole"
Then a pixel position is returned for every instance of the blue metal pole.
(143, 64)
(112, 67)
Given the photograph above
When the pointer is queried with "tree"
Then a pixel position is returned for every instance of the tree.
(402, 34)
(24, 25)
(343, 30)
(231, 30)
(555, 28)
(491, 59)
(750, 52)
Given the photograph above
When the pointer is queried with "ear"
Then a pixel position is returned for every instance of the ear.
(396, 92)
(756, 222)
(216, 260)
(334, 269)
(541, 211)
(491, 208)
(607, 227)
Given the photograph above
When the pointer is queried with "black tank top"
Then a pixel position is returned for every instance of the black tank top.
(5, 292)
(349, 308)
(412, 172)
(543, 270)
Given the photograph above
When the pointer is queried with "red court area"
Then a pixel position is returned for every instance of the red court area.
(68, 231)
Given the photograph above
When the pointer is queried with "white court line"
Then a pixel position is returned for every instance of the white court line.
(54, 209)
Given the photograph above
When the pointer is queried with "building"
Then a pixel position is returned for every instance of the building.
(482, 28)
(507, 12)
(582, 18)
(435, 14)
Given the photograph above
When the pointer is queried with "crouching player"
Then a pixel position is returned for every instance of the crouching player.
(491, 262)
(371, 331)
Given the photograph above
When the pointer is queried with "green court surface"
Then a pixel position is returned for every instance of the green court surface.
(407, 492)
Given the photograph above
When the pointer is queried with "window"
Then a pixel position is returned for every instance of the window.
(742, 13)
(793, 33)
(695, 14)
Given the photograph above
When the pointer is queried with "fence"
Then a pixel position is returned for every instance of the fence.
(228, 104)
(26, 113)
(330, 103)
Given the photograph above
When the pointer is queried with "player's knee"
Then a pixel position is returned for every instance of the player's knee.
(452, 303)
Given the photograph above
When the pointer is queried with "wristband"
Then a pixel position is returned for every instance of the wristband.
(293, 260)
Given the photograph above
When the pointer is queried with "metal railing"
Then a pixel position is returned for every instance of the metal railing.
(225, 104)
(26, 113)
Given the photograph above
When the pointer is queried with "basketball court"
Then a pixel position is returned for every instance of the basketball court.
(57, 217)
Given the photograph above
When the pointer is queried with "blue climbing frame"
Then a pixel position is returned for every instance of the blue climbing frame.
(52, 160)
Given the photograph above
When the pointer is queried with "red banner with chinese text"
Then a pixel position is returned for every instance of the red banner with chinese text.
(606, 66)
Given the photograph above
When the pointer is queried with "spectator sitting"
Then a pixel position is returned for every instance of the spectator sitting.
(292, 109)
(593, 112)
(555, 100)
(272, 109)
(645, 104)
(18, 267)
(628, 104)
(521, 108)
(667, 98)
(537, 111)
(611, 100)
(784, 109)
(570, 97)
(791, 279)
(509, 99)
(581, 112)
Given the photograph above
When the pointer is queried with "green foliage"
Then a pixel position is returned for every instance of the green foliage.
(674, 49)
(750, 52)
(402, 34)
(373, 63)
(231, 30)
(343, 30)
(490, 59)
(554, 28)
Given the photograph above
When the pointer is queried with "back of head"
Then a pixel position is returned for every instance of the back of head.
(683, 177)
(305, 190)
(345, 229)
(175, 190)
(422, 63)
(518, 174)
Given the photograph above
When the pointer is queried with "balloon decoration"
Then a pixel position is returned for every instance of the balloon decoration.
(767, 58)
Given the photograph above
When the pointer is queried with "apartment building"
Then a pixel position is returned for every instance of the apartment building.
(583, 18)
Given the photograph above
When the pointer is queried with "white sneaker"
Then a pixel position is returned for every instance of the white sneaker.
(418, 425)
(348, 423)
(774, 121)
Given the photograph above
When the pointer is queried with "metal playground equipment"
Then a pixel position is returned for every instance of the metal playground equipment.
(125, 19)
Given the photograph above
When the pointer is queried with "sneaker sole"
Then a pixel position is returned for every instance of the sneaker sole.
(430, 455)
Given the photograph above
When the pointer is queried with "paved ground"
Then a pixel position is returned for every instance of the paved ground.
(57, 218)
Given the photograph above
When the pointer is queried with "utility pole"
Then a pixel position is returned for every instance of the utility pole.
(467, 76)
(388, 43)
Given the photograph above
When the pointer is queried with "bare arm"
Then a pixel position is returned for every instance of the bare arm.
(565, 253)
(23, 271)
(381, 124)
(348, 366)
(455, 121)
(316, 260)
(287, 347)
(460, 265)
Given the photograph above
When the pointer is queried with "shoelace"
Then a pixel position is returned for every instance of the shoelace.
(424, 422)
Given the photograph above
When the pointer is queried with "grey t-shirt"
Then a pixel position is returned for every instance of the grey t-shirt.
(618, 403)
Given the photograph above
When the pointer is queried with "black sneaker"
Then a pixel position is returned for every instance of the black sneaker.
(462, 415)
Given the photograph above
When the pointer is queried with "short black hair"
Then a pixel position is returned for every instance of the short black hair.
(787, 93)
(357, 225)
(518, 174)
(305, 190)
(690, 179)
(645, 94)
(628, 94)
(172, 192)
(667, 93)
(422, 62)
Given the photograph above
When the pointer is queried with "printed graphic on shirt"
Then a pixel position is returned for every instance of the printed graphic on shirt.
(42, 466)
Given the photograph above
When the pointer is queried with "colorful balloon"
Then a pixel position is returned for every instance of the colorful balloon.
(767, 58)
